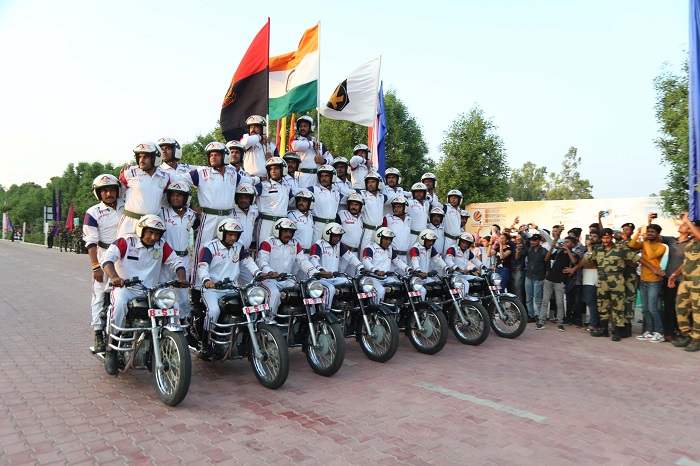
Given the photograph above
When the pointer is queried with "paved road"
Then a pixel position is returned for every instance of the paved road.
(545, 398)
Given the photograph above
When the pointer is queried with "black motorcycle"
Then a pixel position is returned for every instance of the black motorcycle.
(372, 325)
(152, 339)
(468, 319)
(307, 323)
(241, 332)
(423, 321)
(507, 312)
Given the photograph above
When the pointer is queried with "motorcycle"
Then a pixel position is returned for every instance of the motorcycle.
(241, 332)
(153, 339)
(423, 321)
(372, 325)
(469, 320)
(309, 324)
(507, 313)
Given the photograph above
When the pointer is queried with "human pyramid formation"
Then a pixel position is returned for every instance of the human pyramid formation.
(261, 215)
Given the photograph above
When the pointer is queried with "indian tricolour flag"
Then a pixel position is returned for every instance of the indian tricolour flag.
(294, 78)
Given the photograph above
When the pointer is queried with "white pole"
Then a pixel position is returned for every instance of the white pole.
(24, 230)
(4, 224)
(318, 88)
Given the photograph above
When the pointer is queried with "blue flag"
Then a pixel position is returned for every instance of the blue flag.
(381, 131)
(694, 112)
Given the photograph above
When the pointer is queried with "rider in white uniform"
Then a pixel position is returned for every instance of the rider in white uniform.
(310, 150)
(378, 258)
(258, 147)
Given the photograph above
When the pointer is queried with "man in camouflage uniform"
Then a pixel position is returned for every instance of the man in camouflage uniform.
(688, 298)
(611, 260)
(63, 238)
(631, 282)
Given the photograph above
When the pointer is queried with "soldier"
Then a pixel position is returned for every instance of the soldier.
(418, 209)
(452, 221)
(63, 238)
(292, 160)
(311, 152)
(272, 197)
(351, 221)
(392, 178)
(400, 224)
(342, 183)
(631, 282)
(373, 214)
(436, 217)
(245, 212)
(172, 153)
(360, 165)
(430, 181)
(327, 200)
(237, 150)
(611, 260)
(258, 148)
(463, 218)
(688, 298)
(303, 220)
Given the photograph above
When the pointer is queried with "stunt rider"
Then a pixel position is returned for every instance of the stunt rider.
(311, 151)
(378, 258)
(99, 231)
(422, 254)
(277, 255)
(137, 255)
(460, 256)
(220, 258)
(325, 256)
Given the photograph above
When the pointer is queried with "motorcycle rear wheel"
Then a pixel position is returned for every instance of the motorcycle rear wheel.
(172, 380)
(515, 317)
(328, 357)
(477, 328)
(434, 335)
(272, 370)
(384, 342)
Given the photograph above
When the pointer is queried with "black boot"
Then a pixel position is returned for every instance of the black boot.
(111, 362)
(683, 341)
(617, 333)
(627, 332)
(693, 346)
(207, 351)
(602, 331)
(99, 342)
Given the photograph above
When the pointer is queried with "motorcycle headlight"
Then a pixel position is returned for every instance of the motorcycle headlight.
(315, 289)
(457, 282)
(496, 279)
(367, 285)
(165, 298)
(416, 284)
(256, 295)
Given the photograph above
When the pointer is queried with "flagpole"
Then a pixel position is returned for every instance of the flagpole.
(318, 88)
(376, 107)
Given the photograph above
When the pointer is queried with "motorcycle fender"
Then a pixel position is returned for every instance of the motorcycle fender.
(472, 299)
(427, 304)
(325, 316)
(509, 295)
(381, 308)
(173, 327)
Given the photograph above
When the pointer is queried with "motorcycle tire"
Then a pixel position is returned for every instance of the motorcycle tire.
(383, 345)
(272, 370)
(478, 325)
(516, 317)
(434, 335)
(172, 380)
(327, 358)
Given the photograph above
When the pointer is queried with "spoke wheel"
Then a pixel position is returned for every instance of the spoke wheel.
(172, 379)
(433, 337)
(515, 317)
(326, 358)
(477, 326)
(382, 344)
(272, 370)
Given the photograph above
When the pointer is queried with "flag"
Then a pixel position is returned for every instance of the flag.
(57, 214)
(69, 217)
(248, 92)
(292, 130)
(379, 154)
(8, 227)
(355, 99)
(294, 77)
(694, 112)
(53, 205)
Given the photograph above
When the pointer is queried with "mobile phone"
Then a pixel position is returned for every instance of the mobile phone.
(654, 215)
(605, 213)
(588, 237)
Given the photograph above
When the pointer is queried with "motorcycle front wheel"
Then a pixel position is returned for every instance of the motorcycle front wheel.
(515, 317)
(382, 343)
(477, 326)
(433, 337)
(172, 379)
(272, 370)
(327, 357)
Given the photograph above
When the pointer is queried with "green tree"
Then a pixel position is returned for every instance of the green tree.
(671, 111)
(528, 183)
(25, 203)
(473, 160)
(568, 183)
(193, 151)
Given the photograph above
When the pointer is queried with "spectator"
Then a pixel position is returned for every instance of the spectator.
(652, 275)
(563, 258)
(535, 272)
(688, 291)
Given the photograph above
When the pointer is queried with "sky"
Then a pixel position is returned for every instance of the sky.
(89, 80)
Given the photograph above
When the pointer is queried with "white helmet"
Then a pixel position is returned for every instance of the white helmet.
(216, 146)
(235, 145)
(272, 161)
(354, 197)
(437, 211)
(468, 237)
(360, 147)
(383, 232)
(305, 194)
(171, 142)
(149, 148)
(429, 176)
(149, 221)
(178, 187)
(455, 192)
(230, 225)
(372, 176)
(291, 155)
(331, 229)
(426, 235)
(464, 213)
(308, 119)
(102, 181)
(282, 224)
(393, 171)
(419, 187)
(340, 159)
(399, 200)
(245, 188)
(255, 120)
(326, 169)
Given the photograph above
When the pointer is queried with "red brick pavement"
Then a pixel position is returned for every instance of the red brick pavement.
(544, 398)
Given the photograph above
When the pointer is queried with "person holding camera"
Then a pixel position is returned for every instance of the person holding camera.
(652, 275)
